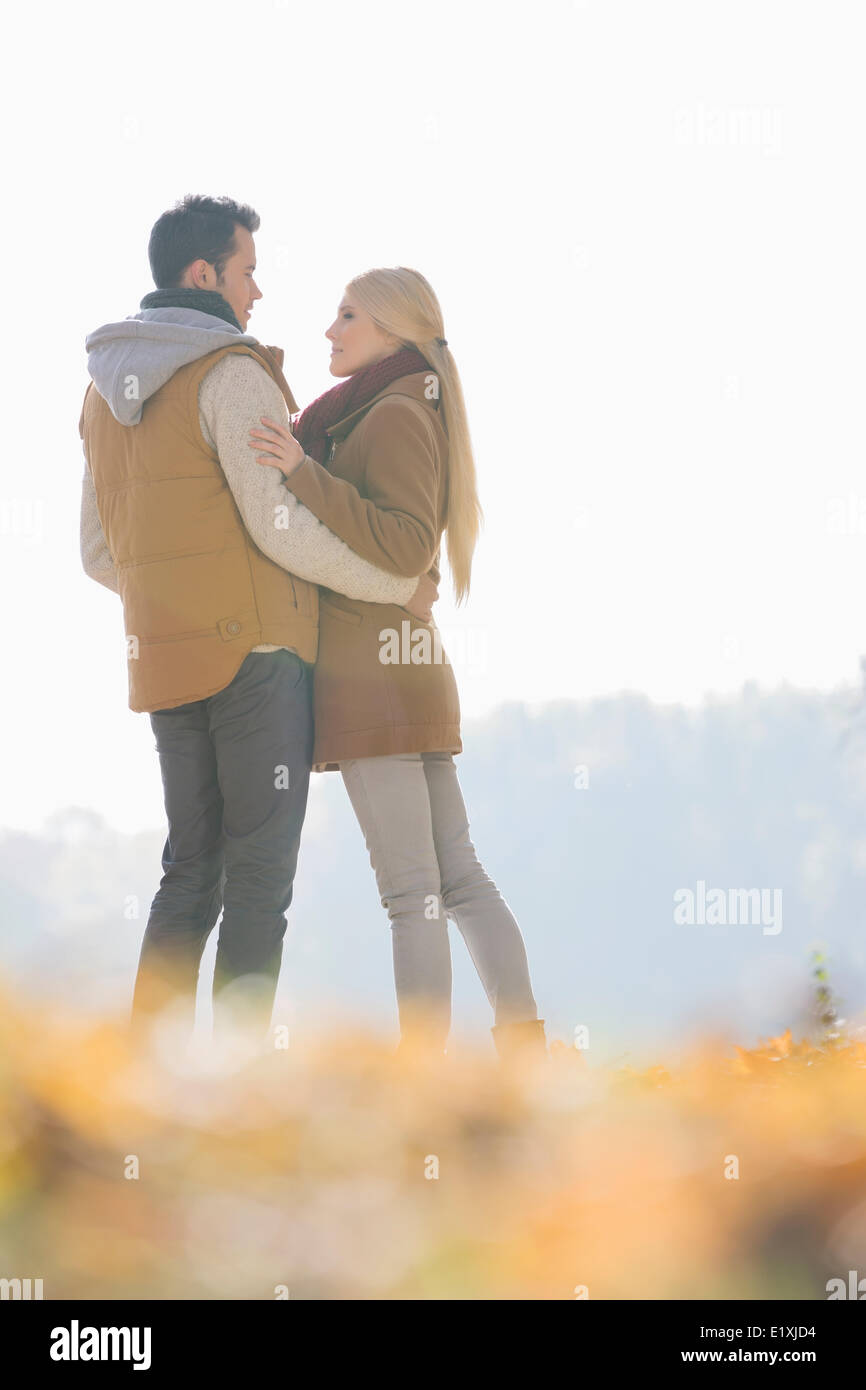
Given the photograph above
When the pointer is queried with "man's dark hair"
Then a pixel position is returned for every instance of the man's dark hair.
(196, 228)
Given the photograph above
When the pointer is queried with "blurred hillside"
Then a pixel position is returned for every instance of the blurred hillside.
(590, 817)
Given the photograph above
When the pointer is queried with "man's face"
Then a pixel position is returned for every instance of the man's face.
(236, 284)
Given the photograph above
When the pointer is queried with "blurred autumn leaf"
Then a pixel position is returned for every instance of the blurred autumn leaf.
(336, 1170)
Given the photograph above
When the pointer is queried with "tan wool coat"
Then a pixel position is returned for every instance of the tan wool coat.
(383, 683)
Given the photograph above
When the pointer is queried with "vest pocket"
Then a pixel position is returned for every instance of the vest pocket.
(301, 596)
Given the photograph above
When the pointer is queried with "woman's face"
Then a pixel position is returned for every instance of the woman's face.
(356, 341)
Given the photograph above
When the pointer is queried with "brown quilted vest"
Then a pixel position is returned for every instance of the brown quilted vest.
(197, 592)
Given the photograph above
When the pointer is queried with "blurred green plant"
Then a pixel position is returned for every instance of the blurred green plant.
(829, 1023)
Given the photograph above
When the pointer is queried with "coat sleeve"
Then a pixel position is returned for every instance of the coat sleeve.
(396, 523)
(233, 396)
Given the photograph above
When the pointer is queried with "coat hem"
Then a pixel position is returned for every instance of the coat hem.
(386, 740)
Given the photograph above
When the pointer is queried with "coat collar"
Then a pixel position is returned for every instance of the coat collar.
(277, 357)
(414, 385)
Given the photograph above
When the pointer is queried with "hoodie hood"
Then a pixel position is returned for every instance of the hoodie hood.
(129, 361)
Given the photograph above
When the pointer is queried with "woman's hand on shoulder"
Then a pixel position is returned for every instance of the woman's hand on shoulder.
(280, 448)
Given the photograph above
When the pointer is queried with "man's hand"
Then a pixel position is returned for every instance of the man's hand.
(421, 603)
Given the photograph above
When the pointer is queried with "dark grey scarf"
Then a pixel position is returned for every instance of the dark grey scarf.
(207, 301)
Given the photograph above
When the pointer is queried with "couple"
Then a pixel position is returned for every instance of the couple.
(257, 567)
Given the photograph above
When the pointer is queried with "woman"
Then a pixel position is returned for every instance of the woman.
(385, 461)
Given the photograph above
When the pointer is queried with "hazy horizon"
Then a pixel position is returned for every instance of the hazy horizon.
(644, 250)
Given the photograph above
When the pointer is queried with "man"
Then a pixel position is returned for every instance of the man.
(217, 565)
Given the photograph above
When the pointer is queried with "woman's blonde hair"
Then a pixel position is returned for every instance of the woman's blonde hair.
(401, 302)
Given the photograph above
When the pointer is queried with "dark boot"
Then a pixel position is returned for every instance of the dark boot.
(520, 1039)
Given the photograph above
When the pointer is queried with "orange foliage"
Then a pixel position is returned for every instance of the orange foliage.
(337, 1170)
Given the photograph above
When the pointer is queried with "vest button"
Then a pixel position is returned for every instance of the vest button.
(233, 627)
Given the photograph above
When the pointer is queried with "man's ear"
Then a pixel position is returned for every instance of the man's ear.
(194, 271)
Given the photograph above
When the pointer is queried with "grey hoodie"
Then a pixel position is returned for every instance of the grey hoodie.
(151, 347)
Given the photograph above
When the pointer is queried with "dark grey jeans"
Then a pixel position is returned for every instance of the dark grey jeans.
(236, 773)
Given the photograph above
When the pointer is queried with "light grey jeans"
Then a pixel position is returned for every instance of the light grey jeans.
(411, 810)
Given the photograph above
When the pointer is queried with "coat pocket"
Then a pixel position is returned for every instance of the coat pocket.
(343, 615)
(413, 617)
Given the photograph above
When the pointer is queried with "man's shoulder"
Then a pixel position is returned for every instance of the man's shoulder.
(245, 357)
(233, 369)
(234, 390)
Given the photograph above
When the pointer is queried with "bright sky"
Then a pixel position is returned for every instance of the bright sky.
(645, 225)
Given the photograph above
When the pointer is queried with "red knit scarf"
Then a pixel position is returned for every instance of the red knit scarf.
(350, 395)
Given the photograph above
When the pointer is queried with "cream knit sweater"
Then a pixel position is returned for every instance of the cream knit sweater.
(232, 398)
